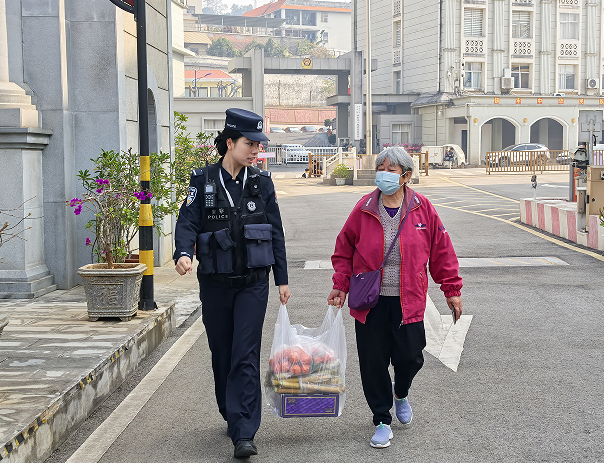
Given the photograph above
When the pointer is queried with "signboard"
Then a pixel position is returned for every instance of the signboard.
(358, 121)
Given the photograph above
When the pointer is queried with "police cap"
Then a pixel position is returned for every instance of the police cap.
(247, 123)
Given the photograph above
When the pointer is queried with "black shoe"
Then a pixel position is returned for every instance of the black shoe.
(245, 448)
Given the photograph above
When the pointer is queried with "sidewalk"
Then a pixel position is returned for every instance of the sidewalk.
(56, 366)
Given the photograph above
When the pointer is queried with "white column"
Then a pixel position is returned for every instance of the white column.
(591, 58)
(546, 47)
(498, 44)
(448, 44)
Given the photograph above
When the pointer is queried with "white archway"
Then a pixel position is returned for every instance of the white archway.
(485, 139)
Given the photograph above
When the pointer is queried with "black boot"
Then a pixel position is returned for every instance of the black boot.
(244, 448)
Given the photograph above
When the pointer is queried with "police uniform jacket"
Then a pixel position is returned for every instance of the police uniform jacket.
(232, 241)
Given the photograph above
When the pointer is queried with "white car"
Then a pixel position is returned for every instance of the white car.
(501, 158)
(294, 153)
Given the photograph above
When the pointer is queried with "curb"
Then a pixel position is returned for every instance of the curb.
(35, 442)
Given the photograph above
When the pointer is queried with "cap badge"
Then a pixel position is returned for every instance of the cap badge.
(251, 206)
(259, 125)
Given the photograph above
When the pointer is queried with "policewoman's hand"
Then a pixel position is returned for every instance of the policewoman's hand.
(284, 294)
(455, 305)
(184, 265)
(336, 298)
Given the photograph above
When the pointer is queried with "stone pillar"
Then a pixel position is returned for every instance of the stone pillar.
(342, 109)
(356, 91)
(23, 271)
(257, 79)
(498, 44)
(546, 48)
(497, 135)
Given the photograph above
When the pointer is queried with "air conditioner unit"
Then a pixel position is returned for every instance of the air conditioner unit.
(592, 83)
(507, 82)
(559, 94)
(507, 72)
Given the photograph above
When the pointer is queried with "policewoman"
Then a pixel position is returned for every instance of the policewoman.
(231, 222)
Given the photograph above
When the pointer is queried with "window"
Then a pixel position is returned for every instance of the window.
(309, 19)
(521, 24)
(325, 36)
(521, 74)
(214, 92)
(397, 34)
(473, 75)
(569, 26)
(397, 82)
(324, 16)
(202, 92)
(212, 126)
(566, 77)
(400, 134)
(292, 17)
(472, 22)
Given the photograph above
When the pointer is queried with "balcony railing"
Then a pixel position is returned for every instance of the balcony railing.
(570, 3)
(568, 50)
(474, 46)
(396, 8)
(522, 48)
(396, 57)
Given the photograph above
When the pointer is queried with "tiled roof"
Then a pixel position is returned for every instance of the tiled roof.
(265, 9)
(197, 37)
(214, 74)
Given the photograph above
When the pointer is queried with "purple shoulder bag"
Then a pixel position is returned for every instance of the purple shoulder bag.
(365, 287)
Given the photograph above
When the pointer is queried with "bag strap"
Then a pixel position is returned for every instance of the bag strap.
(400, 228)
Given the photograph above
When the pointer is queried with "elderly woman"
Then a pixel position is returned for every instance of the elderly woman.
(393, 330)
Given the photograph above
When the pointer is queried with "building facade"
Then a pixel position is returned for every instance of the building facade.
(68, 70)
(327, 22)
(488, 73)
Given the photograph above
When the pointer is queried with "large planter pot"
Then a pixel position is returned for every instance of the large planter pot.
(3, 323)
(112, 292)
(340, 181)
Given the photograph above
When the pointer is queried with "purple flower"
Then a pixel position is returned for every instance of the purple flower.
(88, 242)
(78, 210)
(100, 190)
(74, 202)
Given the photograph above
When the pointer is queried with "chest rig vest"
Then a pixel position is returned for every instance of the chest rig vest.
(224, 242)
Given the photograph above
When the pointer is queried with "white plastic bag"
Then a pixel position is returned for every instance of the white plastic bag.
(307, 367)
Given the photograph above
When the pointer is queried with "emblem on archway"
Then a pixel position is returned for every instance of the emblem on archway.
(306, 63)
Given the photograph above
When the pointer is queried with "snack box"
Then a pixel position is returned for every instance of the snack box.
(300, 405)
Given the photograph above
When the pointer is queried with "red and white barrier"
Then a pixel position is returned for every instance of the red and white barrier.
(559, 217)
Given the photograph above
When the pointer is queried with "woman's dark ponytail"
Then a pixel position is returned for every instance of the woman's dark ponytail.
(220, 142)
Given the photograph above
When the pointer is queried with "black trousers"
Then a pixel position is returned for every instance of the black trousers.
(233, 318)
(383, 340)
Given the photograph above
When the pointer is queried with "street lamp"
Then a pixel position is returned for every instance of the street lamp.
(195, 80)
(145, 216)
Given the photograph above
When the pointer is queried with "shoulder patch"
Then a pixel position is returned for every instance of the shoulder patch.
(191, 195)
(264, 173)
(196, 172)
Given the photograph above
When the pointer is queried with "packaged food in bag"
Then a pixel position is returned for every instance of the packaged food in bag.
(307, 367)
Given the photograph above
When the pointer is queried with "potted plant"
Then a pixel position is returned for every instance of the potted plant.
(113, 197)
(341, 173)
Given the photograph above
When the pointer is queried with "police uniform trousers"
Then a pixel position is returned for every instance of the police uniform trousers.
(383, 340)
(233, 318)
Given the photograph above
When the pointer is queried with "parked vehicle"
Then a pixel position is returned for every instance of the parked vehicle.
(308, 128)
(293, 130)
(504, 157)
(277, 130)
(294, 153)
(446, 155)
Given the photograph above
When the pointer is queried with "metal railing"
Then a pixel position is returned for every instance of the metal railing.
(527, 161)
(322, 164)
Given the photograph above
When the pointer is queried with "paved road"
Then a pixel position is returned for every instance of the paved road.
(528, 386)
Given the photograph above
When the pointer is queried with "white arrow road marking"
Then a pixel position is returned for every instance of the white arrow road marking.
(444, 340)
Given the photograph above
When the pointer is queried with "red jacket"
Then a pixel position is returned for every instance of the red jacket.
(423, 240)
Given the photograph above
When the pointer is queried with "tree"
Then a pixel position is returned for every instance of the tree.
(222, 47)
(238, 10)
(327, 122)
(214, 7)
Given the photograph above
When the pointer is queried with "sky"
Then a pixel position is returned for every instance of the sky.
(249, 2)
